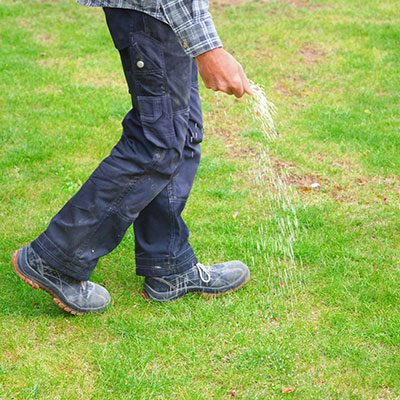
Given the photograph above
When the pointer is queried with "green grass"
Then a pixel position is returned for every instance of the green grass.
(335, 333)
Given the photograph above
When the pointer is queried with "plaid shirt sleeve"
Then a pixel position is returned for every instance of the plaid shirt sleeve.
(193, 25)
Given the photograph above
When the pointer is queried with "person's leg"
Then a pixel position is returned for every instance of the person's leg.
(139, 167)
(163, 253)
(161, 236)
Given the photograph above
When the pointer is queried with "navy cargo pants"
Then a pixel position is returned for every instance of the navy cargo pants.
(148, 175)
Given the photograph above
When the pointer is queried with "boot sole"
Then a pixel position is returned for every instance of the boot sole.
(36, 286)
(203, 294)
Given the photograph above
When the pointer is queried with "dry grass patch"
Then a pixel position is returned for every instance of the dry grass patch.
(292, 86)
(227, 3)
(310, 54)
(347, 185)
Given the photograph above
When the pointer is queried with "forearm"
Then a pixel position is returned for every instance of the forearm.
(193, 25)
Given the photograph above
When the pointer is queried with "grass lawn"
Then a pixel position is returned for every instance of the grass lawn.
(332, 331)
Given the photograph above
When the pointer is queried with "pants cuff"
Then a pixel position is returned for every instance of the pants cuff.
(47, 250)
(151, 266)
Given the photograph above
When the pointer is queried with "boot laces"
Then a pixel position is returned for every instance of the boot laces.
(204, 272)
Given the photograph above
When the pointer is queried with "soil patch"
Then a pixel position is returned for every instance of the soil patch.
(291, 86)
(226, 3)
(311, 54)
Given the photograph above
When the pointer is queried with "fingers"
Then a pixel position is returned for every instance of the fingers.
(247, 87)
(230, 85)
(246, 84)
(237, 88)
(242, 84)
(239, 85)
(221, 72)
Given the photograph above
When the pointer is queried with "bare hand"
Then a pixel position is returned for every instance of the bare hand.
(220, 71)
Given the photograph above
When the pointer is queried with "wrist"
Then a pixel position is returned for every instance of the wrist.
(209, 53)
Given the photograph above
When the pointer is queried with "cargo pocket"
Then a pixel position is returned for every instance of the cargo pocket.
(156, 117)
(148, 66)
(144, 66)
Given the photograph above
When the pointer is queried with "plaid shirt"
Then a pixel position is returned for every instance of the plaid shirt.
(189, 19)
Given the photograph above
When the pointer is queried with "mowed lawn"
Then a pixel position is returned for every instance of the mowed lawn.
(332, 330)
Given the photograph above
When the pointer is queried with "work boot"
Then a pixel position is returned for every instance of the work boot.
(76, 297)
(212, 280)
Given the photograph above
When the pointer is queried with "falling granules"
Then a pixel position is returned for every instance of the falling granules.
(279, 199)
(264, 111)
